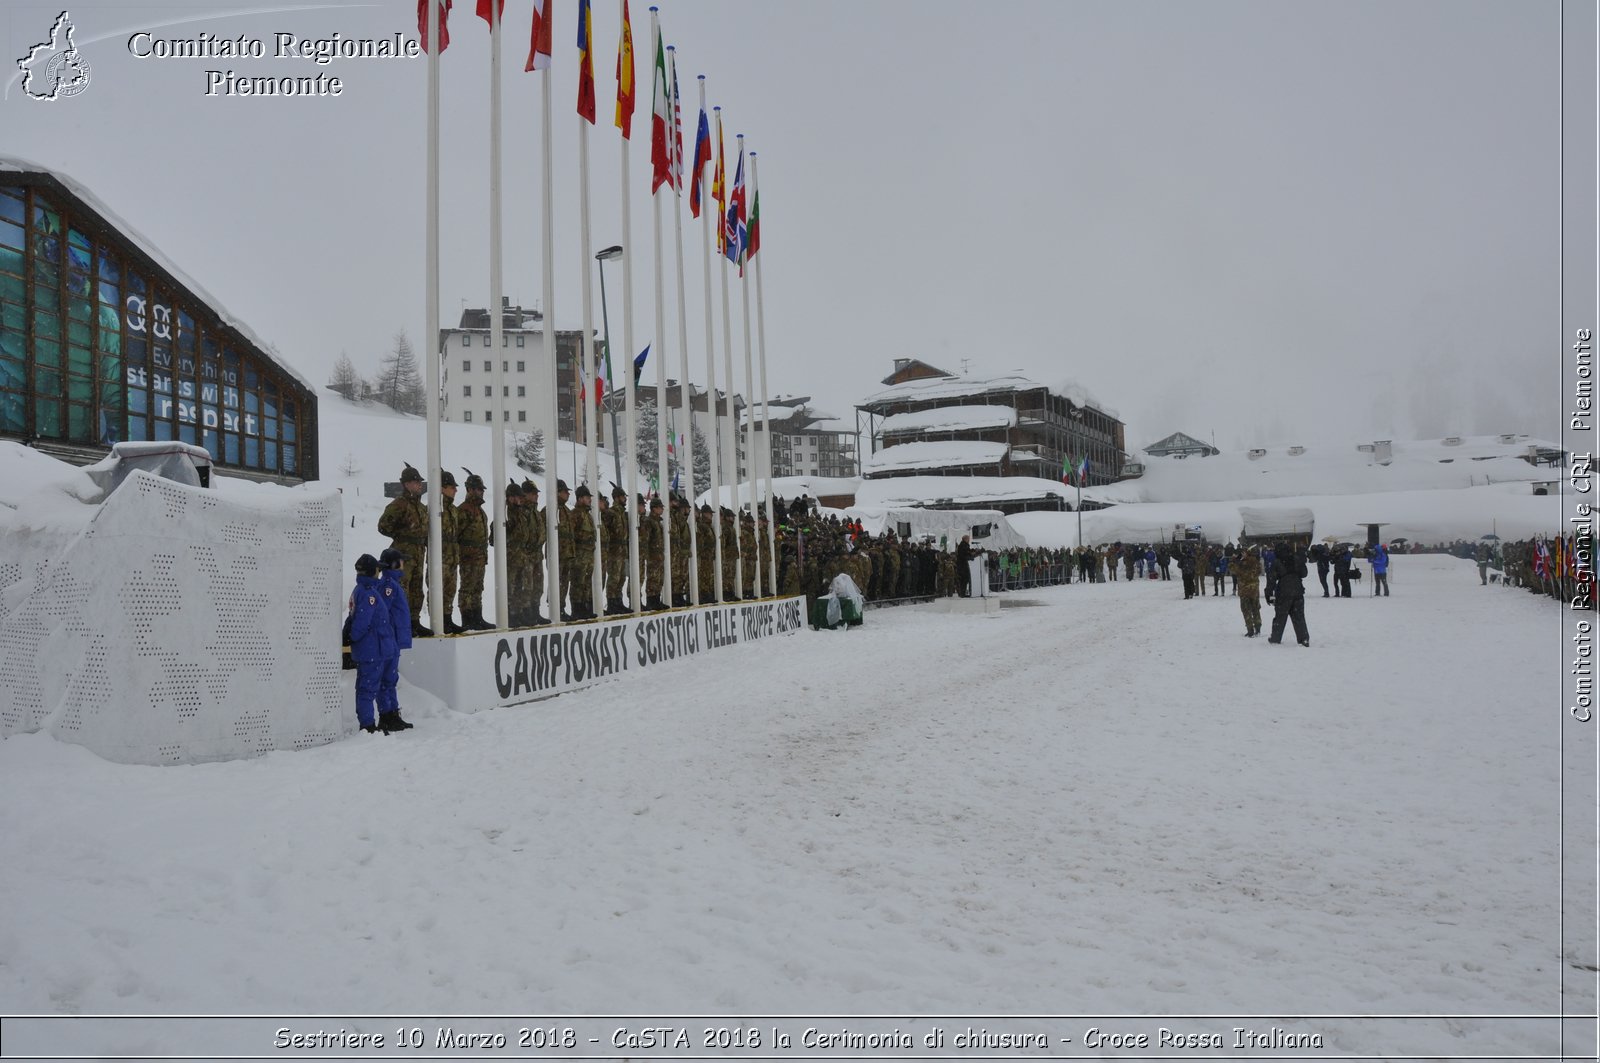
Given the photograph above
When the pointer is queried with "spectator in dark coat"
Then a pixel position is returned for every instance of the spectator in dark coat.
(1341, 572)
(1319, 554)
(963, 568)
(1289, 595)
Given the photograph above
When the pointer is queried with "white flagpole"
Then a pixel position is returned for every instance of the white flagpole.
(729, 428)
(766, 423)
(684, 389)
(711, 348)
(663, 472)
(590, 407)
(431, 324)
(749, 390)
(497, 430)
(552, 546)
(635, 584)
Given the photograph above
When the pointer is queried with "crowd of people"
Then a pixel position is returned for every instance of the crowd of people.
(1558, 566)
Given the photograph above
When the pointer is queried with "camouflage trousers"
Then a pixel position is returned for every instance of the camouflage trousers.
(578, 581)
(680, 573)
(415, 581)
(654, 574)
(616, 574)
(1250, 605)
(473, 563)
(707, 578)
(452, 576)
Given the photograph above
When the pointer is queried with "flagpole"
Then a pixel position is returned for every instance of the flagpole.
(766, 424)
(662, 471)
(749, 390)
(431, 323)
(497, 430)
(636, 590)
(729, 427)
(711, 347)
(591, 455)
(552, 525)
(683, 327)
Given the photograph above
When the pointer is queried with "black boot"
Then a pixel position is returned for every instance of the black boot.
(478, 622)
(371, 728)
(391, 721)
(451, 627)
(418, 631)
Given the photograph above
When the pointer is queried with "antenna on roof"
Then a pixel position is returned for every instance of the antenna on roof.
(964, 363)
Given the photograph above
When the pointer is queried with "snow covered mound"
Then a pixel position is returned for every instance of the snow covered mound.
(1278, 472)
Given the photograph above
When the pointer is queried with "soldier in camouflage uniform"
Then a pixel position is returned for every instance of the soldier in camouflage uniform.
(614, 550)
(730, 556)
(680, 550)
(749, 551)
(651, 557)
(517, 555)
(450, 547)
(583, 540)
(472, 538)
(1247, 568)
(705, 546)
(565, 526)
(405, 522)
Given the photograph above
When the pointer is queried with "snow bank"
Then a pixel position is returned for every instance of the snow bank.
(176, 625)
(946, 455)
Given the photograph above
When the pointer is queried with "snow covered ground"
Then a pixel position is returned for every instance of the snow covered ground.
(1104, 800)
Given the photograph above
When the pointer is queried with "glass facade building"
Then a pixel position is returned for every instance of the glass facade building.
(99, 344)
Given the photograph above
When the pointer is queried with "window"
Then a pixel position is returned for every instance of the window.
(486, 368)
(522, 392)
(505, 367)
(466, 365)
(466, 415)
(505, 391)
(522, 415)
(505, 341)
(466, 341)
(466, 390)
(488, 415)
(519, 344)
(522, 367)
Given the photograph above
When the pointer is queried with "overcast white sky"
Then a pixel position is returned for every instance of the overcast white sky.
(1276, 222)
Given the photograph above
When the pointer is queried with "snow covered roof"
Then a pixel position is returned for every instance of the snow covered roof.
(958, 386)
(1279, 520)
(951, 387)
(969, 491)
(956, 453)
(150, 248)
(951, 418)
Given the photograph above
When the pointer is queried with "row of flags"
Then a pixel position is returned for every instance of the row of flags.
(738, 230)
(1075, 470)
(1561, 558)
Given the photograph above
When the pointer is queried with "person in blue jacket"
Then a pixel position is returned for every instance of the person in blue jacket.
(1380, 570)
(371, 638)
(393, 563)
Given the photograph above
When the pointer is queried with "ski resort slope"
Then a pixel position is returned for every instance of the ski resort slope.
(1104, 800)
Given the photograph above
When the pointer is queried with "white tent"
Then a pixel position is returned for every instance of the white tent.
(1283, 520)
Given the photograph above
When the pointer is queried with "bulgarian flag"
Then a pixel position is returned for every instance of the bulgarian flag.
(660, 123)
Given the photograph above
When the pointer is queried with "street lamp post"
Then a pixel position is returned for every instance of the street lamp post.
(610, 254)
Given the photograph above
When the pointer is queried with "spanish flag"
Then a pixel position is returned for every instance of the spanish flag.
(625, 76)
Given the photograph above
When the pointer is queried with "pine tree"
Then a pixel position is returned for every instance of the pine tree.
(399, 383)
(645, 450)
(345, 380)
(529, 450)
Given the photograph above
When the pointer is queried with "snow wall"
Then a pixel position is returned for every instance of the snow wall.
(178, 626)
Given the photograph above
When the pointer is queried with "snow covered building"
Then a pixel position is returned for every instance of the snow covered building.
(104, 340)
(468, 365)
(928, 422)
(1179, 445)
(808, 442)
